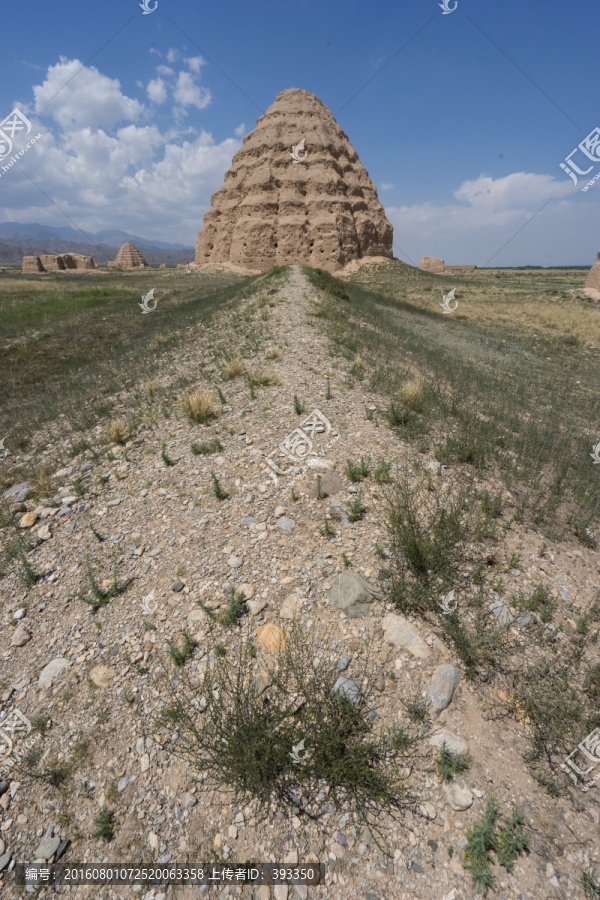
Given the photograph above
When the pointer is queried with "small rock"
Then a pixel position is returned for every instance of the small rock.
(177, 586)
(286, 524)
(153, 840)
(344, 661)
(20, 636)
(401, 633)
(503, 615)
(123, 782)
(429, 811)
(330, 482)
(279, 511)
(5, 859)
(246, 589)
(351, 593)
(290, 608)
(52, 670)
(271, 637)
(23, 487)
(443, 684)
(347, 687)
(263, 892)
(44, 533)
(233, 832)
(256, 606)
(46, 848)
(457, 794)
(454, 743)
(20, 613)
(28, 520)
(235, 562)
(144, 762)
(249, 520)
(280, 891)
(102, 676)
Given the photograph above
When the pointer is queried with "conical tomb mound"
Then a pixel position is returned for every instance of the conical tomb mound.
(322, 210)
(128, 257)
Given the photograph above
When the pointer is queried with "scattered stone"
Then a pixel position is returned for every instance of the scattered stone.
(402, 634)
(351, 593)
(286, 524)
(331, 483)
(47, 848)
(53, 670)
(429, 811)
(102, 676)
(457, 794)
(20, 636)
(290, 608)
(20, 613)
(16, 489)
(256, 606)
(271, 636)
(235, 562)
(28, 520)
(249, 520)
(454, 743)
(246, 589)
(5, 859)
(344, 661)
(177, 587)
(444, 682)
(501, 612)
(279, 511)
(347, 687)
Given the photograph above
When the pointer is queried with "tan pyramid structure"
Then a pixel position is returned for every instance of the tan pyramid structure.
(128, 257)
(592, 282)
(316, 206)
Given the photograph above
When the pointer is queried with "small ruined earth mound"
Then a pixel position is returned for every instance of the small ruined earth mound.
(60, 263)
(315, 205)
(592, 282)
(128, 257)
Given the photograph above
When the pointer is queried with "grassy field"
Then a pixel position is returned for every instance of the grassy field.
(69, 343)
(508, 383)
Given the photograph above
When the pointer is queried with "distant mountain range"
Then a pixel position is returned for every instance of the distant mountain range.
(17, 241)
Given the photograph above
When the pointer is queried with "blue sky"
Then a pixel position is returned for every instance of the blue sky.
(463, 147)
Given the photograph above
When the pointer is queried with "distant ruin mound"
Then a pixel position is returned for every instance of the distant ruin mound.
(49, 262)
(296, 193)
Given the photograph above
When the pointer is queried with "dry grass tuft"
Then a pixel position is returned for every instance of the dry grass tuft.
(412, 394)
(263, 377)
(273, 353)
(157, 341)
(118, 431)
(199, 406)
(234, 367)
(42, 482)
(152, 387)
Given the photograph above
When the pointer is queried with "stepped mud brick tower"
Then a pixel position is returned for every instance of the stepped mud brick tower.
(128, 257)
(592, 282)
(318, 207)
(50, 263)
